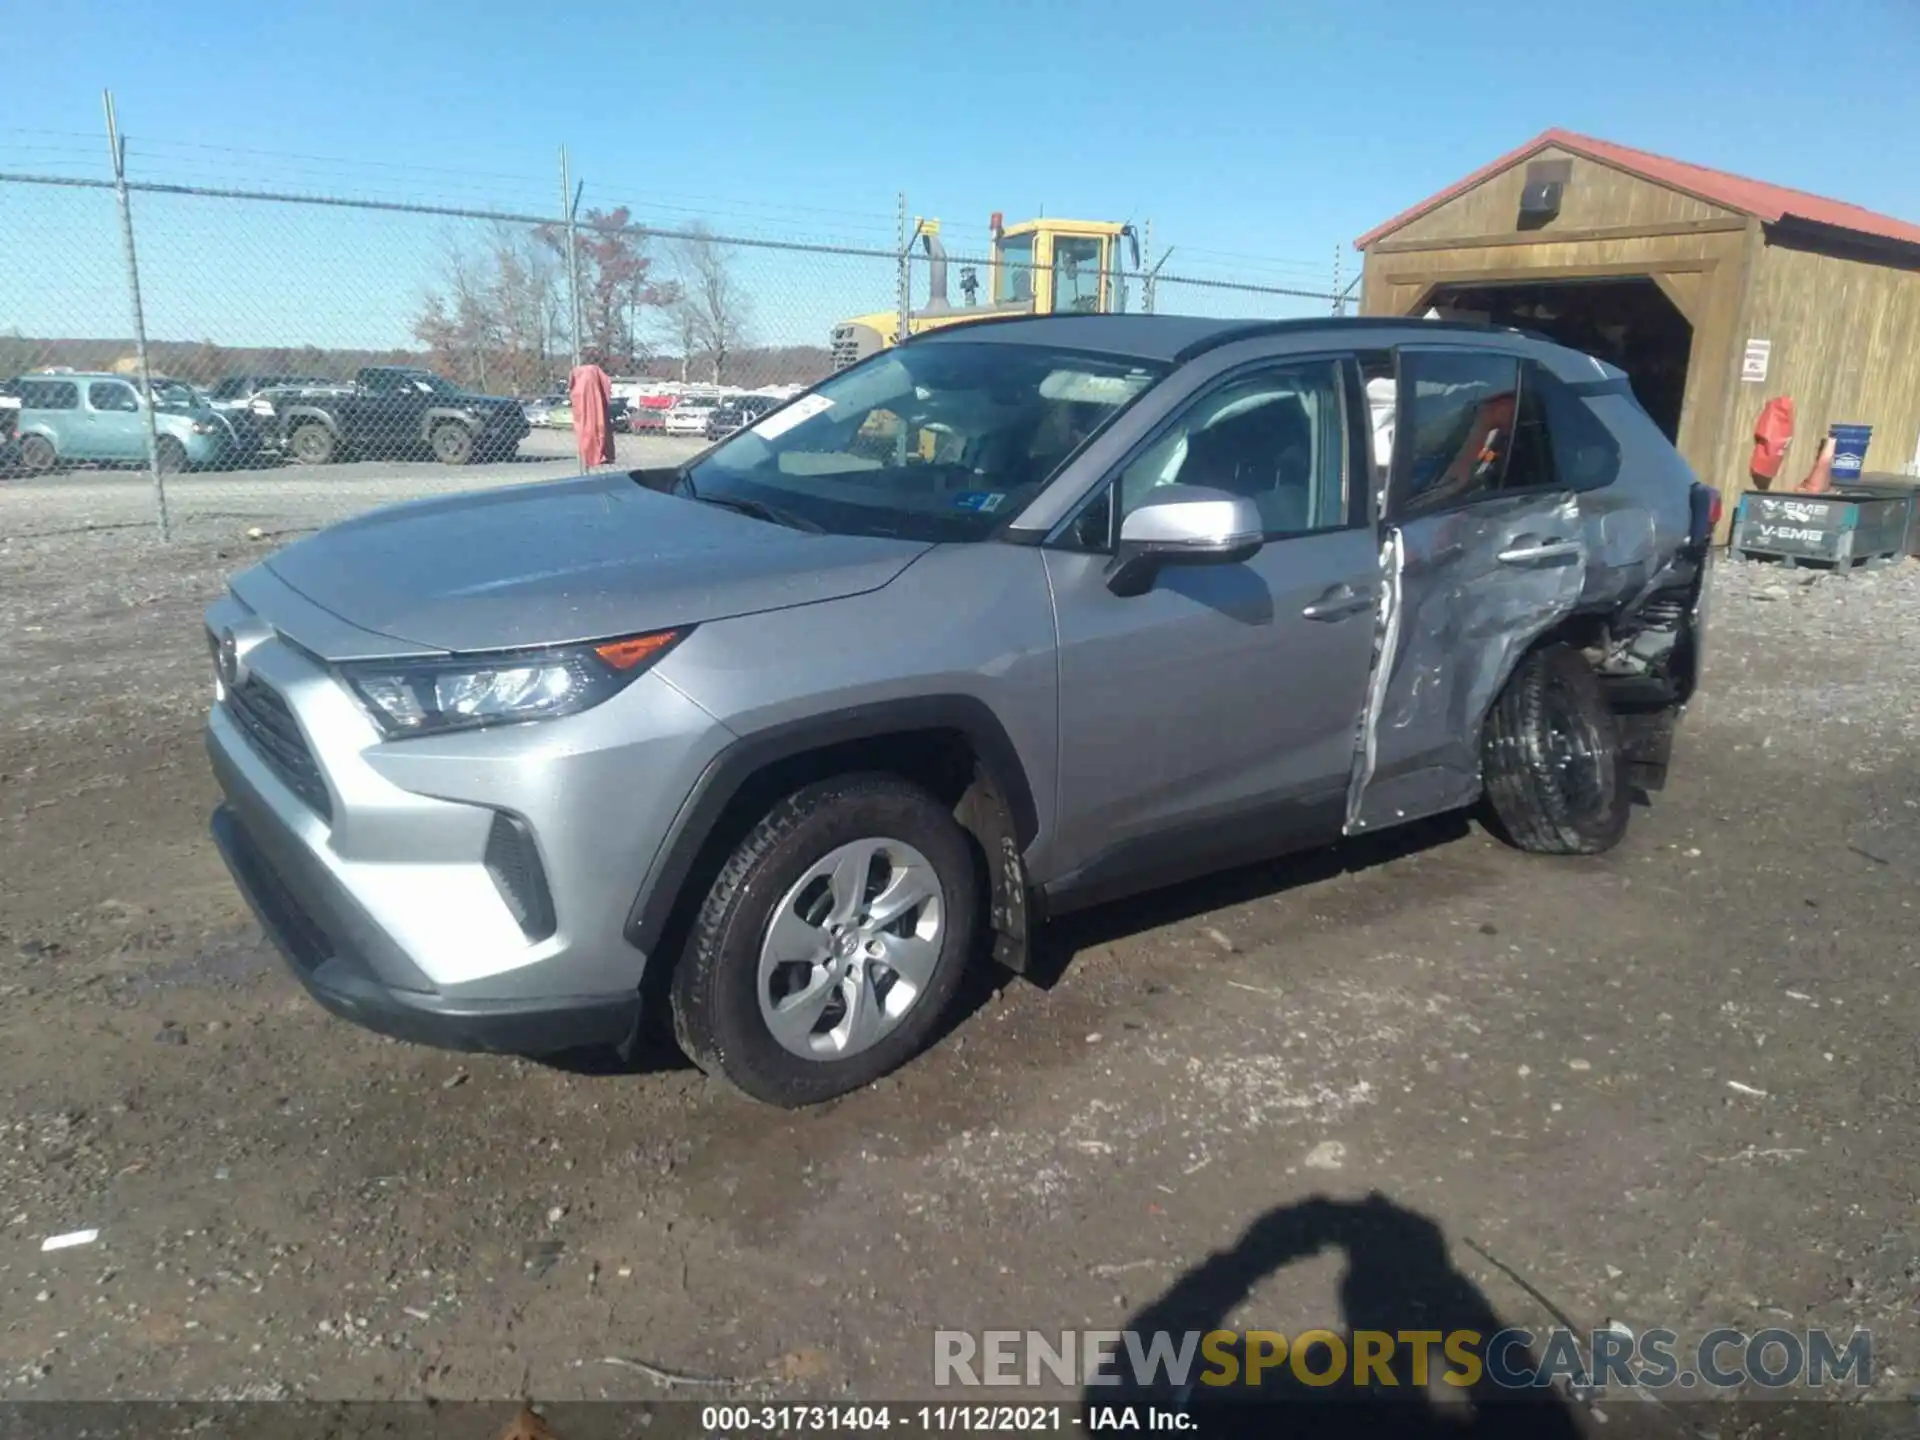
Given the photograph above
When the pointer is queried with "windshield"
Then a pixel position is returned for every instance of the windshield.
(1014, 274)
(173, 395)
(939, 442)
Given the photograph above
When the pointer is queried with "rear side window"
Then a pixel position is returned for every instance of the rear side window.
(1585, 454)
(48, 394)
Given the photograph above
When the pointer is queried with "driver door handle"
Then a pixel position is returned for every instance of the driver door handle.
(1542, 550)
(1339, 602)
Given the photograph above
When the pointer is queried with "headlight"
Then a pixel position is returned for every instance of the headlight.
(261, 407)
(467, 691)
(206, 427)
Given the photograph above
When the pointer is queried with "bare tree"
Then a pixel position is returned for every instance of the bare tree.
(495, 318)
(711, 311)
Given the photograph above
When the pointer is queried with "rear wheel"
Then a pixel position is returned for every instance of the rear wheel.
(311, 444)
(452, 443)
(169, 455)
(37, 454)
(831, 943)
(1555, 776)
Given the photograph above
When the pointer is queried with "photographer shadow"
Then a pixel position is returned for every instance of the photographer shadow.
(1399, 1278)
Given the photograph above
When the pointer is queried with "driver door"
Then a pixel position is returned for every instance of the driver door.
(1214, 717)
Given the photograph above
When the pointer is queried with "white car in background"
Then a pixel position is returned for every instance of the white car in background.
(689, 416)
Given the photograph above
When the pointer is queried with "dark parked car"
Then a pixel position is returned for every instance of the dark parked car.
(393, 410)
(1010, 619)
(737, 413)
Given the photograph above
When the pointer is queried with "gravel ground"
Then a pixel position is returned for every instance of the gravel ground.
(1674, 1085)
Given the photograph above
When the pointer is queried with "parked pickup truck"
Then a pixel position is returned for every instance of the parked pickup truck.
(392, 410)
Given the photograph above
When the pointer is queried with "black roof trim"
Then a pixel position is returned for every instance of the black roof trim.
(1254, 329)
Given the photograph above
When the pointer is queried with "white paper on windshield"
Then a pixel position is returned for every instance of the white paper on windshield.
(785, 418)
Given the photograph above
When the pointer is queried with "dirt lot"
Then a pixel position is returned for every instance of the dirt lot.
(1672, 1086)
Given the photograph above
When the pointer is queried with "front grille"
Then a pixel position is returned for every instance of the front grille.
(267, 722)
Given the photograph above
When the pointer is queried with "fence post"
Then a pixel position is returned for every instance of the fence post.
(119, 149)
(570, 205)
(1339, 296)
(906, 272)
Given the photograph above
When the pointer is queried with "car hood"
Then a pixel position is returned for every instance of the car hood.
(570, 560)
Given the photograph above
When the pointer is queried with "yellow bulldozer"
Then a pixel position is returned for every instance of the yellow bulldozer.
(1038, 267)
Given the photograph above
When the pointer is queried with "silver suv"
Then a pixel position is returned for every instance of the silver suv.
(1016, 617)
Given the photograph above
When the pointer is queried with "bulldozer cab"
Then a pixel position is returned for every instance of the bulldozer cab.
(1059, 267)
(1037, 267)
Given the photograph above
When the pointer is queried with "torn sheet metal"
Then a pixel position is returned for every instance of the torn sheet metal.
(1472, 588)
(1386, 637)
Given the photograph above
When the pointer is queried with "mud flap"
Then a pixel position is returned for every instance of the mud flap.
(1462, 596)
(984, 814)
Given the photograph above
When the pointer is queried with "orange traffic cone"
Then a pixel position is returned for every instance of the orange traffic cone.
(1820, 479)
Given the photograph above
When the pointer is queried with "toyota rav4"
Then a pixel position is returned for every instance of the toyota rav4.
(1015, 617)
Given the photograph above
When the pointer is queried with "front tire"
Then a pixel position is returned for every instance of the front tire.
(37, 455)
(169, 455)
(312, 444)
(1556, 780)
(831, 943)
(452, 443)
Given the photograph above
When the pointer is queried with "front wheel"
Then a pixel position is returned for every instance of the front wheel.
(37, 455)
(311, 444)
(452, 443)
(830, 944)
(1556, 780)
(169, 455)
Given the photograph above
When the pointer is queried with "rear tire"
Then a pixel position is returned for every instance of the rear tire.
(1556, 780)
(452, 443)
(37, 455)
(799, 913)
(311, 444)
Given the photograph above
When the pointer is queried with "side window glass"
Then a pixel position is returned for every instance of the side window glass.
(1277, 437)
(111, 395)
(1457, 413)
(49, 395)
(1585, 455)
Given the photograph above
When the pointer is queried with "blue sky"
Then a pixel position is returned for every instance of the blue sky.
(1256, 137)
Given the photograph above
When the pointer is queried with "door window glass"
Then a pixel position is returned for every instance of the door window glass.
(112, 395)
(1457, 414)
(1277, 437)
(1014, 280)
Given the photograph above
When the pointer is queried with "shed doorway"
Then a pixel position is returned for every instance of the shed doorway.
(1628, 322)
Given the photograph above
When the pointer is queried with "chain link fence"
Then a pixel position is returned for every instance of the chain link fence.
(190, 356)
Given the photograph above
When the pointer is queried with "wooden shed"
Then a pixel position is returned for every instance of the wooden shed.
(1715, 293)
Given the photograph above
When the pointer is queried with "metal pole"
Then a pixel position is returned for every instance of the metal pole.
(906, 272)
(119, 149)
(1339, 296)
(906, 238)
(1146, 259)
(570, 203)
(1153, 275)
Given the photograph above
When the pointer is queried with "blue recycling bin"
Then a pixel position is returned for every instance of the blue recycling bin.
(1850, 450)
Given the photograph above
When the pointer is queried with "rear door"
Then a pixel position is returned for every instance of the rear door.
(1215, 714)
(113, 424)
(1482, 552)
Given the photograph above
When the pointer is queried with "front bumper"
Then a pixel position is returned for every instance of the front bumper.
(340, 977)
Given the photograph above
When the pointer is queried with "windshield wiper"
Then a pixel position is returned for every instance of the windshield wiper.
(759, 511)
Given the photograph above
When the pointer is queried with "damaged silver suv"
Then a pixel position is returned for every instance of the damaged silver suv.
(1016, 617)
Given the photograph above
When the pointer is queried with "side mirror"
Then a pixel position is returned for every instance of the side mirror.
(1183, 525)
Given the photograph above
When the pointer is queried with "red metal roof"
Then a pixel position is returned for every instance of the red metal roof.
(1735, 192)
